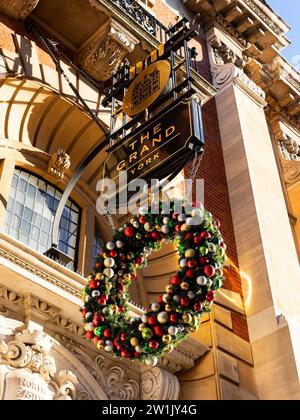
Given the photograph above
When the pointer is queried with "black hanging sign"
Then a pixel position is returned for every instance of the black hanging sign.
(159, 148)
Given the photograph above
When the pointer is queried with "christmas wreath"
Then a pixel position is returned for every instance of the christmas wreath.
(201, 252)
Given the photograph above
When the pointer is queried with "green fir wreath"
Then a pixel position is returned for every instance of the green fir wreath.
(201, 253)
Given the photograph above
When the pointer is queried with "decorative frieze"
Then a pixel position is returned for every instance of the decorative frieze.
(103, 53)
(17, 9)
(27, 372)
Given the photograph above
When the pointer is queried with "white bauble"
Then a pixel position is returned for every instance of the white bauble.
(165, 229)
(165, 220)
(95, 293)
(90, 326)
(155, 306)
(120, 244)
(109, 262)
(201, 280)
(172, 330)
(109, 272)
(181, 218)
(176, 298)
(144, 319)
(183, 262)
(191, 294)
(162, 317)
(108, 348)
(110, 245)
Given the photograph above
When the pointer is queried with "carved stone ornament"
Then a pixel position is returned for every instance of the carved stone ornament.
(290, 148)
(291, 172)
(17, 9)
(27, 372)
(226, 67)
(102, 55)
(59, 164)
(159, 384)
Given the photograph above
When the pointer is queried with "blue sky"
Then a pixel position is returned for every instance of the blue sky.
(289, 10)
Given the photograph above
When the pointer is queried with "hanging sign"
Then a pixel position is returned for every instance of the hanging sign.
(160, 147)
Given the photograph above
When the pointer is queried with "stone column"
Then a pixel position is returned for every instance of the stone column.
(266, 249)
(159, 384)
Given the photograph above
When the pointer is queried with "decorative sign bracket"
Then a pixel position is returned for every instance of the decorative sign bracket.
(152, 111)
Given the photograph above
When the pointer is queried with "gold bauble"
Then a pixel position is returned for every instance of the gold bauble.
(168, 307)
(190, 253)
(169, 288)
(170, 348)
(141, 327)
(134, 341)
(185, 227)
(109, 286)
(99, 276)
(166, 339)
(187, 318)
(184, 285)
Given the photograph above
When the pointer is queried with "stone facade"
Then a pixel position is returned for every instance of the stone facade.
(247, 348)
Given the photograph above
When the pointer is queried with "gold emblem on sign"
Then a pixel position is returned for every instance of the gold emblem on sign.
(146, 87)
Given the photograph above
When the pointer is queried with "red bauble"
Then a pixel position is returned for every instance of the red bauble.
(94, 284)
(119, 347)
(197, 240)
(210, 296)
(116, 341)
(84, 312)
(129, 231)
(133, 276)
(125, 354)
(122, 288)
(174, 318)
(155, 235)
(96, 323)
(107, 333)
(217, 223)
(203, 260)
(152, 320)
(190, 273)
(198, 307)
(209, 270)
(98, 265)
(142, 220)
(174, 216)
(177, 228)
(140, 260)
(189, 236)
(123, 257)
(123, 336)
(175, 281)
(137, 354)
(205, 235)
(96, 340)
(184, 302)
(192, 263)
(121, 309)
(160, 300)
(89, 335)
(158, 330)
(113, 253)
(153, 344)
(101, 300)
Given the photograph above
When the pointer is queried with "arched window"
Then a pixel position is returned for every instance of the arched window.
(30, 213)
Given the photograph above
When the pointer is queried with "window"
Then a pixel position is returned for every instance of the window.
(30, 213)
(98, 244)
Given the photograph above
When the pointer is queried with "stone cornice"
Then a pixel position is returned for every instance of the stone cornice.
(245, 20)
